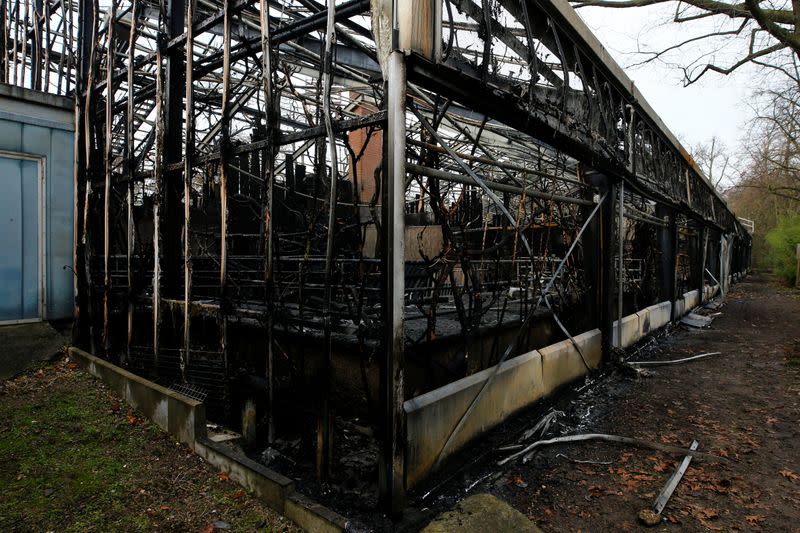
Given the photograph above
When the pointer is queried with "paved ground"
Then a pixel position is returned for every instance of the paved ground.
(743, 406)
(25, 344)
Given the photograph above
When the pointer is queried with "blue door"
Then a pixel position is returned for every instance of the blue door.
(20, 276)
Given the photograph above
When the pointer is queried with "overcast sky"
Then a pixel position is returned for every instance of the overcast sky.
(715, 105)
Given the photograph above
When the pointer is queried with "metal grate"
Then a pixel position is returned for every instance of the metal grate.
(189, 390)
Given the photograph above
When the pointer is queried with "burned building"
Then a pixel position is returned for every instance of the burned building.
(394, 221)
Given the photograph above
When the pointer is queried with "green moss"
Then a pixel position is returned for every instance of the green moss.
(783, 241)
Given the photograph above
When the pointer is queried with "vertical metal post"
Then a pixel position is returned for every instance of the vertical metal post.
(107, 188)
(90, 15)
(223, 180)
(703, 253)
(324, 434)
(668, 245)
(607, 288)
(36, 45)
(392, 483)
(187, 190)
(621, 265)
(3, 39)
(82, 311)
(174, 91)
(268, 168)
(131, 161)
(158, 179)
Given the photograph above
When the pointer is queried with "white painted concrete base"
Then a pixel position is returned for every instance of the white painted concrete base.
(520, 382)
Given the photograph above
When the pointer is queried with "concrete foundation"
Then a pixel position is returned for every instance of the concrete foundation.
(630, 331)
(562, 363)
(185, 419)
(519, 382)
(692, 299)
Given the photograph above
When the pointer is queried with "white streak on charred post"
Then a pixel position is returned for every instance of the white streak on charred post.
(268, 170)
(88, 124)
(223, 178)
(108, 169)
(621, 264)
(187, 189)
(158, 179)
(392, 467)
(129, 131)
(24, 43)
(324, 443)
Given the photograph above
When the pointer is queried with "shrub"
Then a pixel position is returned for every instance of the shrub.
(783, 241)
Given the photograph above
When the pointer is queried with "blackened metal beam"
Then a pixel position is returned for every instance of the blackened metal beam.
(392, 463)
(174, 91)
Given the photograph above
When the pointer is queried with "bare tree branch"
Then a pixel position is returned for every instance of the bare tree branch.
(779, 27)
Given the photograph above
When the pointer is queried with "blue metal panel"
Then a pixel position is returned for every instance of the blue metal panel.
(59, 225)
(19, 240)
(56, 146)
(10, 136)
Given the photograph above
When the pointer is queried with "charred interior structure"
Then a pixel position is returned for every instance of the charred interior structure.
(310, 214)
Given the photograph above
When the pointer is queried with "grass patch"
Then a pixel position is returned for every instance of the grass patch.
(74, 458)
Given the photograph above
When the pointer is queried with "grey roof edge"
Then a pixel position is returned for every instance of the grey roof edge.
(584, 32)
(36, 97)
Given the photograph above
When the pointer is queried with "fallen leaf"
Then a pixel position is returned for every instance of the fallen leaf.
(662, 467)
(518, 481)
(788, 474)
(72, 366)
(165, 507)
(238, 494)
(132, 420)
(223, 476)
(754, 519)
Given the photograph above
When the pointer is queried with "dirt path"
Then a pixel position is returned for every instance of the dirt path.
(743, 406)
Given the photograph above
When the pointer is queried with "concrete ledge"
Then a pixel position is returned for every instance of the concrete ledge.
(175, 413)
(692, 299)
(520, 382)
(630, 331)
(269, 486)
(710, 291)
(660, 315)
(644, 322)
(562, 363)
(313, 517)
(431, 417)
(678, 308)
(185, 419)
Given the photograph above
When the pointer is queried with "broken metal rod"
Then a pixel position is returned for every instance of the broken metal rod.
(674, 361)
(669, 488)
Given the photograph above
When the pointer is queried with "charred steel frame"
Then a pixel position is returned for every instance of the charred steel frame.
(262, 182)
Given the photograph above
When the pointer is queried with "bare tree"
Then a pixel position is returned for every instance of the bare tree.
(715, 160)
(767, 33)
(775, 156)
